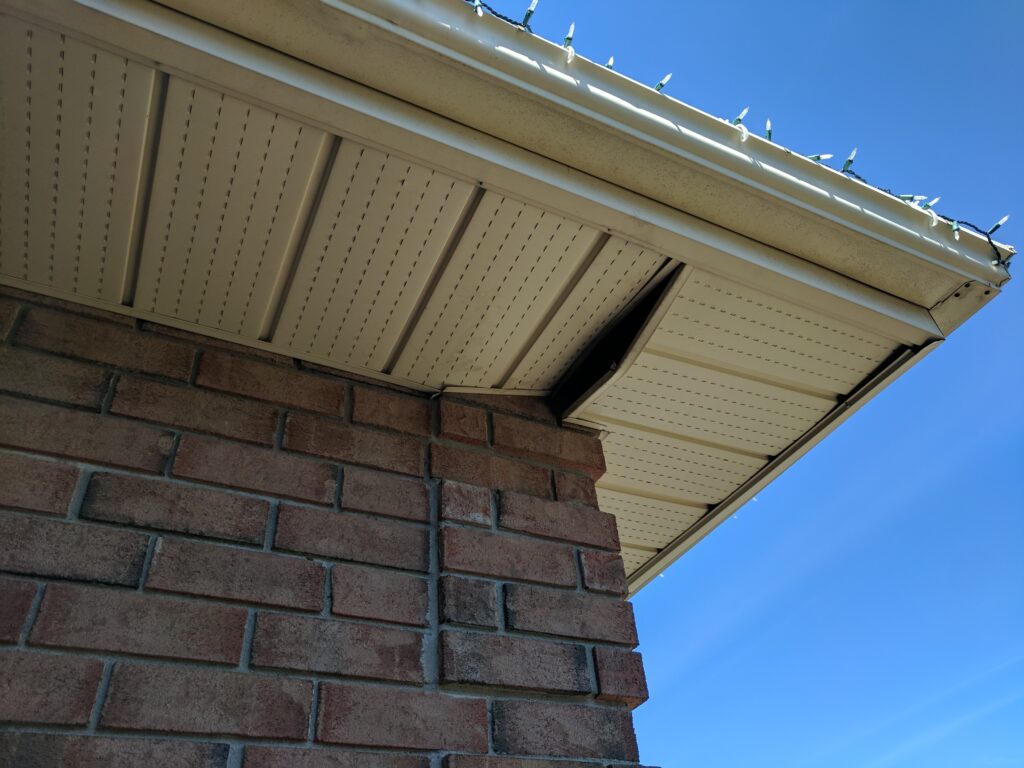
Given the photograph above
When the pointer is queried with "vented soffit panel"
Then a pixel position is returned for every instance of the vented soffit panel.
(237, 193)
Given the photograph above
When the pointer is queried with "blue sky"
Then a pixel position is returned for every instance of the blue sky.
(868, 609)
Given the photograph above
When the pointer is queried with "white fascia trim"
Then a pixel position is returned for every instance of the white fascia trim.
(652, 118)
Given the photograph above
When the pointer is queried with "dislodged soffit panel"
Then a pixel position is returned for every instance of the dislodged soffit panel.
(231, 180)
(730, 378)
(73, 128)
(374, 242)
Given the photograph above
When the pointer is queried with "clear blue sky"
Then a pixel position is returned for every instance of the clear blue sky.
(868, 609)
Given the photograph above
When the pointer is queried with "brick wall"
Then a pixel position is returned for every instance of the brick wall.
(211, 556)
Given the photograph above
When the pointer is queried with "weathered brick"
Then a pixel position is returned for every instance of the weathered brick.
(511, 557)
(371, 593)
(16, 598)
(558, 520)
(255, 469)
(557, 445)
(195, 409)
(196, 568)
(564, 730)
(358, 445)
(604, 572)
(570, 614)
(485, 761)
(355, 537)
(45, 750)
(337, 648)
(72, 616)
(384, 493)
(51, 378)
(484, 469)
(530, 407)
(514, 662)
(70, 550)
(468, 601)
(105, 342)
(43, 688)
(573, 487)
(170, 506)
(465, 503)
(60, 431)
(274, 383)
(36, 485)
(620, 676)
(8, 313)
(177, 699)
(277, 757)
(209, 342)
(393, 717)
(463, 423)
(67, 306)
(403, 413)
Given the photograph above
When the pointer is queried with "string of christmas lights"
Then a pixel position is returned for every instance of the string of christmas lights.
(918, 201)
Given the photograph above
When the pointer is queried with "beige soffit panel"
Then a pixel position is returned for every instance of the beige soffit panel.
(616, 275)
(73, 122)
(633, 557)
(230, 185)
(374, 243)
(722, 323)
(511, 264)
(645, 522)
(642, 462)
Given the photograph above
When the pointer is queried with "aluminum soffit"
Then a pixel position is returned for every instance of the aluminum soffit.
(235, 193)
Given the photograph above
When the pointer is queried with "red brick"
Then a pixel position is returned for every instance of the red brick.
(72, 616)
(195, 409)
(16, 598)
(465, 503)
(604, 572)
(371, 593)
(204, 341)
(195, 568)
(51, 378)
(35, 750)
(564, 730)
(514, 662)
(8, 313)
(70, 550)
(347, 536)
(393, 717)
(460, 422)
(337, 648)
(36, 485)
(404, 413)
(67, 306)
(358, 445)
(384, 493)
(570, 614)
(37, 688)
(274, 383)
(105, 343)
(63, 432)
(485, 761)
(255, 469)
(275, 757)
(530, 407)
(573, 487)
(177, 699)
(170, 506)
(468, 601)
(558, 520)
(509, 557)
(620, 676)
(558, 445)
(480, 468)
